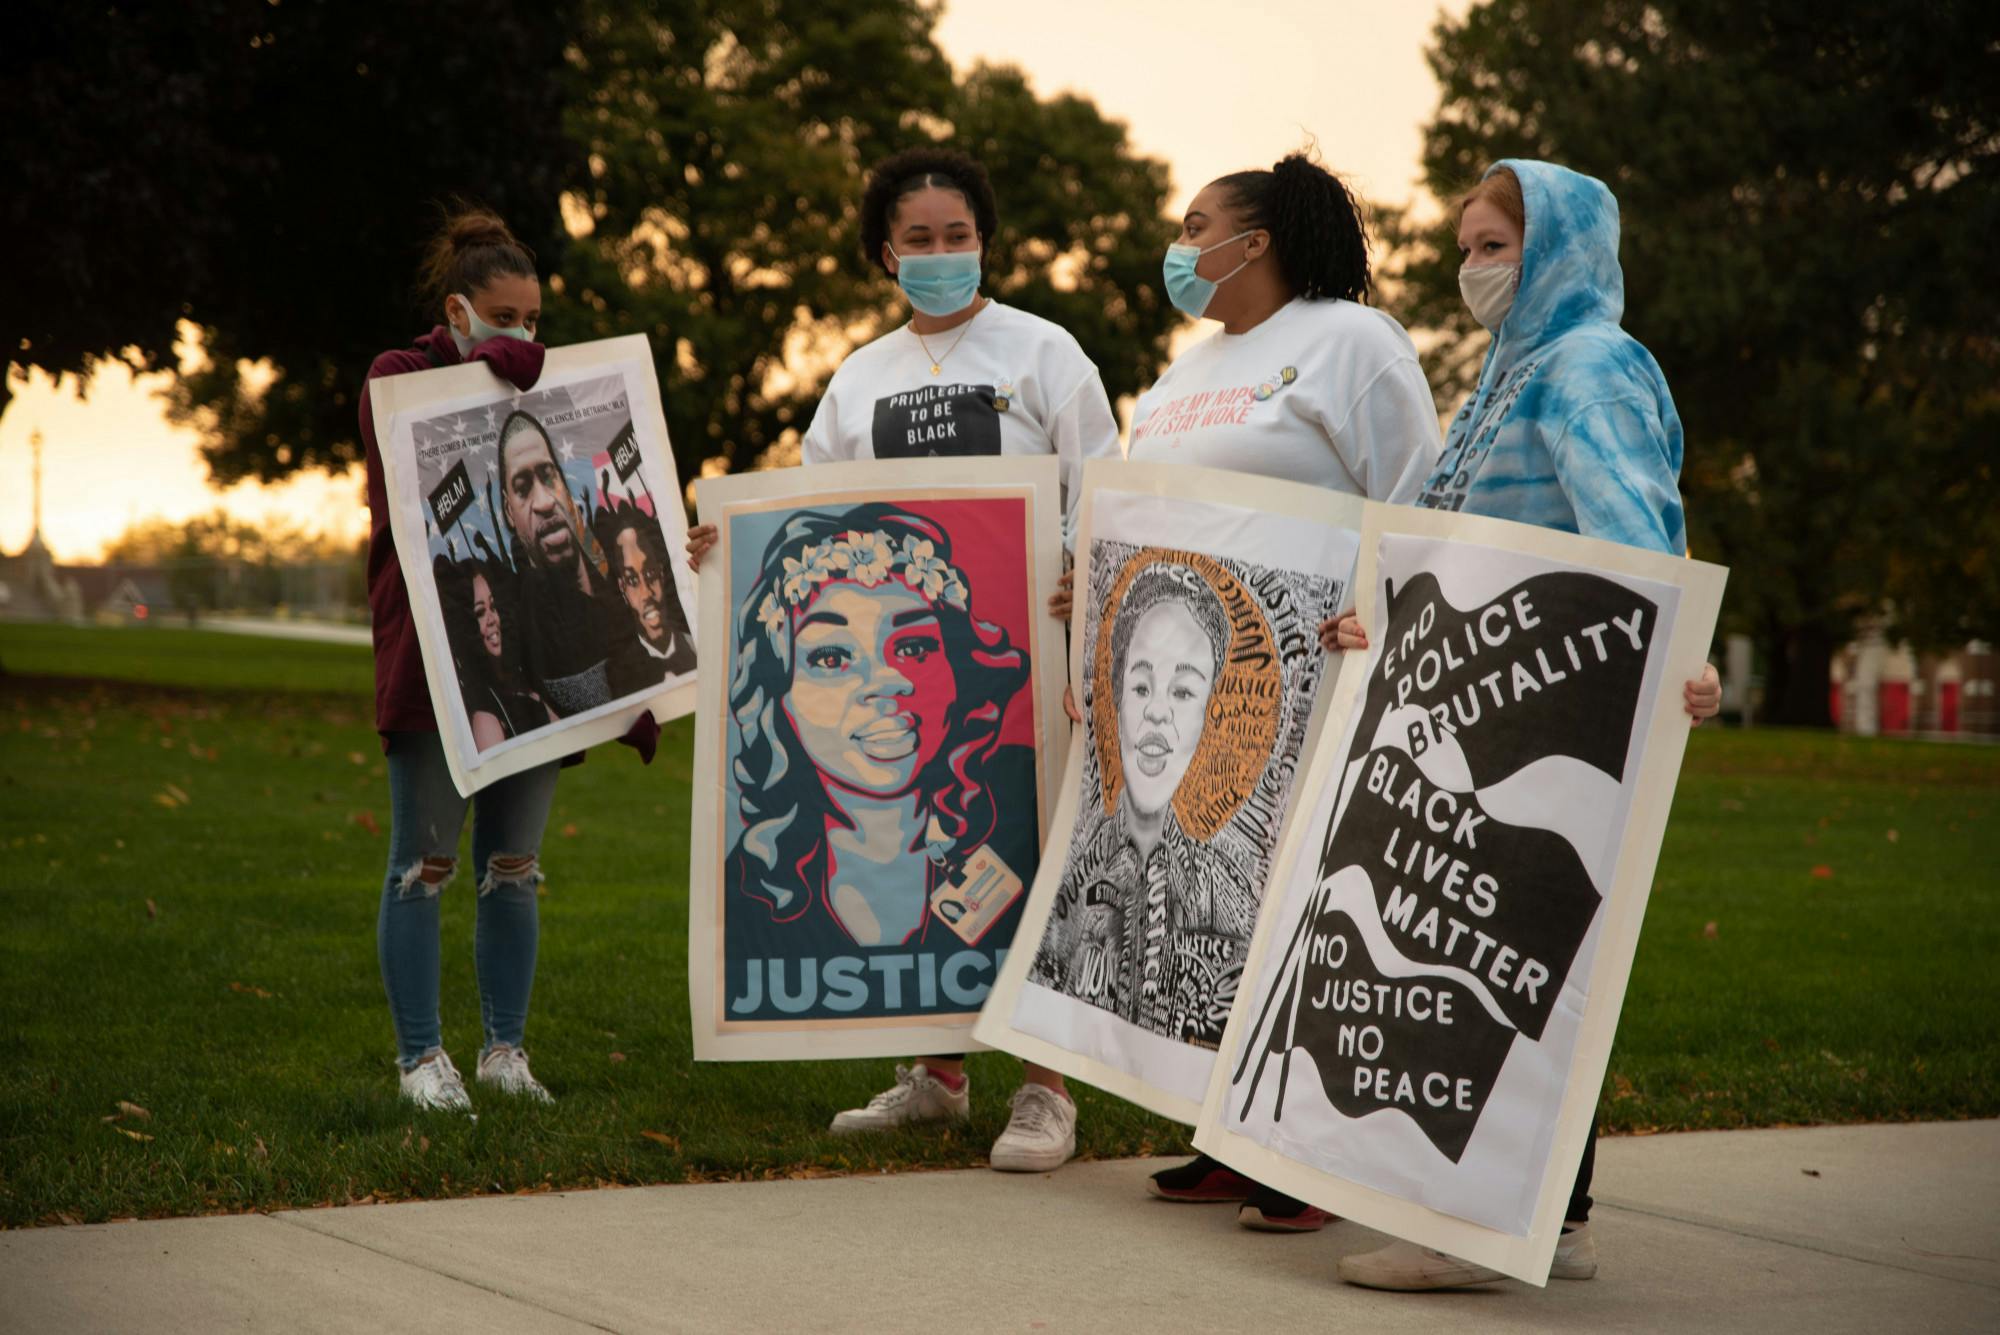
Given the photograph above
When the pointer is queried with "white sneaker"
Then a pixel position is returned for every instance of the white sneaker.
(1408, 1268)
(1040, 1135)
(1576, 1254)
(436, 1084)
(506, 1069)
(917, 1096)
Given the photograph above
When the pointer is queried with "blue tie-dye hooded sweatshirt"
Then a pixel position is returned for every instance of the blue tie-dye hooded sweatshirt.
(1572, 426)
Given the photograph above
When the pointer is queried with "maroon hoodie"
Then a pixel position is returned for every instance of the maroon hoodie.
(402, 696)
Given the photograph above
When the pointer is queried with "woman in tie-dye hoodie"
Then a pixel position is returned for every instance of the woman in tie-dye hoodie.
(1572, 428)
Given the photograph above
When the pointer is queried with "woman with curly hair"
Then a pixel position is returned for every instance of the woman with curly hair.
(868, 701)
(966, 376)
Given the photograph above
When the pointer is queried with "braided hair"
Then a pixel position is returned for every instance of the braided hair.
(1314, 222)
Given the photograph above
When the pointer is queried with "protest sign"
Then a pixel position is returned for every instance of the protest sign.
(874, 755)
(1199, 596)
(1433, 988)
(541, 535)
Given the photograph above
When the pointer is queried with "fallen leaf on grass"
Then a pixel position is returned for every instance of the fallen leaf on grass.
(259, 1149)
(1770, 1045)
(128, 1131)
(366, 820)
(1822, 872)
(152, 910)
(356, 758)
(1710, 930)
(617, 1056)
(126, 1109)
(251, 991)
(1893, 836)
(663, 1138)
(569, 830)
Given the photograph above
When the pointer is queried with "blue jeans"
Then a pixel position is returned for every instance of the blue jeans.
(426, 814)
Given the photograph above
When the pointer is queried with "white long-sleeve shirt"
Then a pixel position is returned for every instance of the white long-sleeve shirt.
(1008, 383)
(1326, 392)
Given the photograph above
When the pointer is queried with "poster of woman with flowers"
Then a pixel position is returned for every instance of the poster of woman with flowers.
(875, 764)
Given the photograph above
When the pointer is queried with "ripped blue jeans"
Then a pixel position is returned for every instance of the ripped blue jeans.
(426, 814)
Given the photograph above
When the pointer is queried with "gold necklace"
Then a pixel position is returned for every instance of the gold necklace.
(937, 363)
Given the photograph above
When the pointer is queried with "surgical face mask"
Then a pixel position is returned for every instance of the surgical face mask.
(1187, 289)
(1489, 290)
(481, 331)
(939, 284)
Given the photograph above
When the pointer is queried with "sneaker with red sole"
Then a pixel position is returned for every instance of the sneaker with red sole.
(1200, 1181)
(1269, 1211)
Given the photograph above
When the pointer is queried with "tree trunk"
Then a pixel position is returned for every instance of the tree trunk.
(1797, 687)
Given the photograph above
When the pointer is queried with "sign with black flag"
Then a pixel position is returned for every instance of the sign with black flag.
(1433, 987)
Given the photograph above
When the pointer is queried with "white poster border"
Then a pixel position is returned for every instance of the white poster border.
(1524, 1257)
(1130, 481)
(1038, 478)
(396, 399)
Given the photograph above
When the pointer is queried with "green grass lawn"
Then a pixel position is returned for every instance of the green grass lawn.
(190, 881)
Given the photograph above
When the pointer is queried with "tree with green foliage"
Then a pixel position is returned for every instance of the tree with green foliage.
(1810, 194)
(690, 169)
(727, 145)
(268, 171)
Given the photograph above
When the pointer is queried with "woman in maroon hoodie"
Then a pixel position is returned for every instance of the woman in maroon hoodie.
(483, 282)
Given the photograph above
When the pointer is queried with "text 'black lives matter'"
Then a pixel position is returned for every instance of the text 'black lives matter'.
(937, 421)
(1509, 904)
(450, 497)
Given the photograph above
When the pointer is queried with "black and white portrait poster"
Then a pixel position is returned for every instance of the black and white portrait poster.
(542, 539)
(1198, 670)
(875, 763)
(1433, 990)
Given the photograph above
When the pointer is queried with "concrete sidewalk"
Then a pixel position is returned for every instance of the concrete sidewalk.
(1876, 1228)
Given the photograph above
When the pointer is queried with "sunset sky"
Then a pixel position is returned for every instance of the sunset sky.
(1209, 88)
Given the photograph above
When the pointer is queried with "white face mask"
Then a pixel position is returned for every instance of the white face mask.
(1489, 290)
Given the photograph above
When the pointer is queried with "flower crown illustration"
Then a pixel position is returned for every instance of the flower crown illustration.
(868, 559)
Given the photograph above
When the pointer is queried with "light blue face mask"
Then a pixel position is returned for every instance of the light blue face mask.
(481, 331)
(939, 284)
(1187, 289)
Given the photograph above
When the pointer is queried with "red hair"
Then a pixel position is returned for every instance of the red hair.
(1502, 189)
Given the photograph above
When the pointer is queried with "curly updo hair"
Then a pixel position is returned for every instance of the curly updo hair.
(925, 168)
(1168, 583)
(471, 248)
(1314, 222)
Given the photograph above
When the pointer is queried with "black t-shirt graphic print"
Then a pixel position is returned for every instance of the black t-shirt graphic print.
(935, 421)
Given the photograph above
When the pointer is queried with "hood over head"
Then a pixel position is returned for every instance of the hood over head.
(1569, 258)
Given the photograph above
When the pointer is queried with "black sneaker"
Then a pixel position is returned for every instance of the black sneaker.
(1270, 1211)
(1200, 1181)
